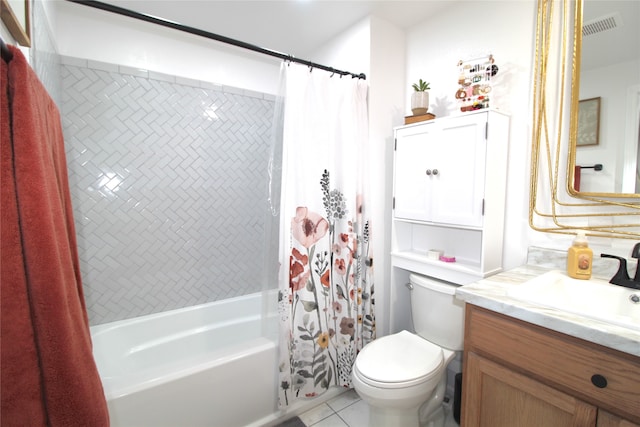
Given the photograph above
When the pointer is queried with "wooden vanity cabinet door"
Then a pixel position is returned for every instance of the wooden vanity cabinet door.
(560, 361)
(606, 419)
(495, 396)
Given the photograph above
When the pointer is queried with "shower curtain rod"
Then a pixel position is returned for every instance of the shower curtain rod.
(176, 26)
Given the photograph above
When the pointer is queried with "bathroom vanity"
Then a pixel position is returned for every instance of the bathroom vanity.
(529, 365)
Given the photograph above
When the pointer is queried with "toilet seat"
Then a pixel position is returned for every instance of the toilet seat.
(399, 360)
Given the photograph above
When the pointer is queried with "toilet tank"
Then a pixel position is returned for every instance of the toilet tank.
(437, 315)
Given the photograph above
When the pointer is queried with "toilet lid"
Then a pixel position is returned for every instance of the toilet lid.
(399, 358)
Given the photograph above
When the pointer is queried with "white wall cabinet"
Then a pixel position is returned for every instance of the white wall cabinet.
(449, 195)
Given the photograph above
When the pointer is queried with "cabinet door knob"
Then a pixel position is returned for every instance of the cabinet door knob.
(599, 381)
(428, 171)
(435, 171)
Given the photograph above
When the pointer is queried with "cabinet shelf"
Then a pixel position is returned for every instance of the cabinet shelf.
(466, 266)
(438, 224)
(461, 272)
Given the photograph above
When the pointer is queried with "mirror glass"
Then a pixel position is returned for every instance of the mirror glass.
(554, 206)
(605, 151)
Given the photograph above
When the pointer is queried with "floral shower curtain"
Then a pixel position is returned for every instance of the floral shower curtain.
(326, 295)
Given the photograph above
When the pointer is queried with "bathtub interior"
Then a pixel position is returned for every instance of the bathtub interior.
(136, 354)
(237, 392)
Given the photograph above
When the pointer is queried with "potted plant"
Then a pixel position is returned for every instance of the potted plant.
(420, 98)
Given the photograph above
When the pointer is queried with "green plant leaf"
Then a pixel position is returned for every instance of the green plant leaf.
(309, 305)
(310, 286)
(317, 370)
(320, 378)
(421, 86)
(304, 373)
(329, 376)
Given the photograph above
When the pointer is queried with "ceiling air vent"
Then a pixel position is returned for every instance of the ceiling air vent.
(604, 23)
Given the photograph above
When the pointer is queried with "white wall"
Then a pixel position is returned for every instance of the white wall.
(388, 59)
(470, 29)
(89, 33)
(348, 51)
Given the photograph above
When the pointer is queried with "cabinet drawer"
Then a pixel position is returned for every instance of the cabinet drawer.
(561, 361)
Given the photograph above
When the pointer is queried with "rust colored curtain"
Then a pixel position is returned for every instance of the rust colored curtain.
(48, 375)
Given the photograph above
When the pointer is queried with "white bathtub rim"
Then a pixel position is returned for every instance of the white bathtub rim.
(106, 327)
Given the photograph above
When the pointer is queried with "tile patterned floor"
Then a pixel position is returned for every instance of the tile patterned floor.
(345, 410)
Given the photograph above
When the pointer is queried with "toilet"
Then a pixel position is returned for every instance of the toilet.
(403, 377)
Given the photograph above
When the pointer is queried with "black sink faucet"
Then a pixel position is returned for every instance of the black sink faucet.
(622, 278)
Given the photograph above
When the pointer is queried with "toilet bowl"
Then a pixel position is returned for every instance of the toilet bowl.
(402, 377)
(397, 374)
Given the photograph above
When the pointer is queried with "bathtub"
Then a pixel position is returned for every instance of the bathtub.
(208, 365)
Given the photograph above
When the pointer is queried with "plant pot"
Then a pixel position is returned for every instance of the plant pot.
(419, 103)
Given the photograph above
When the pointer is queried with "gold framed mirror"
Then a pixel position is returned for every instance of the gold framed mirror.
(555, 205)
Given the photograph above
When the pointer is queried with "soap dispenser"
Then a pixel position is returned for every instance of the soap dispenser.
(579, 258)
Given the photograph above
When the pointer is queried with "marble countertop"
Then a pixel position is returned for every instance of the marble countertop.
(491, 293)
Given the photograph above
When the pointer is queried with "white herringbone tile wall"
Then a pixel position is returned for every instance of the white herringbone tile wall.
(168, 181)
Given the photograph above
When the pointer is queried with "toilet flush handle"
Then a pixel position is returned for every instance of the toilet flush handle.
(409, 286)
